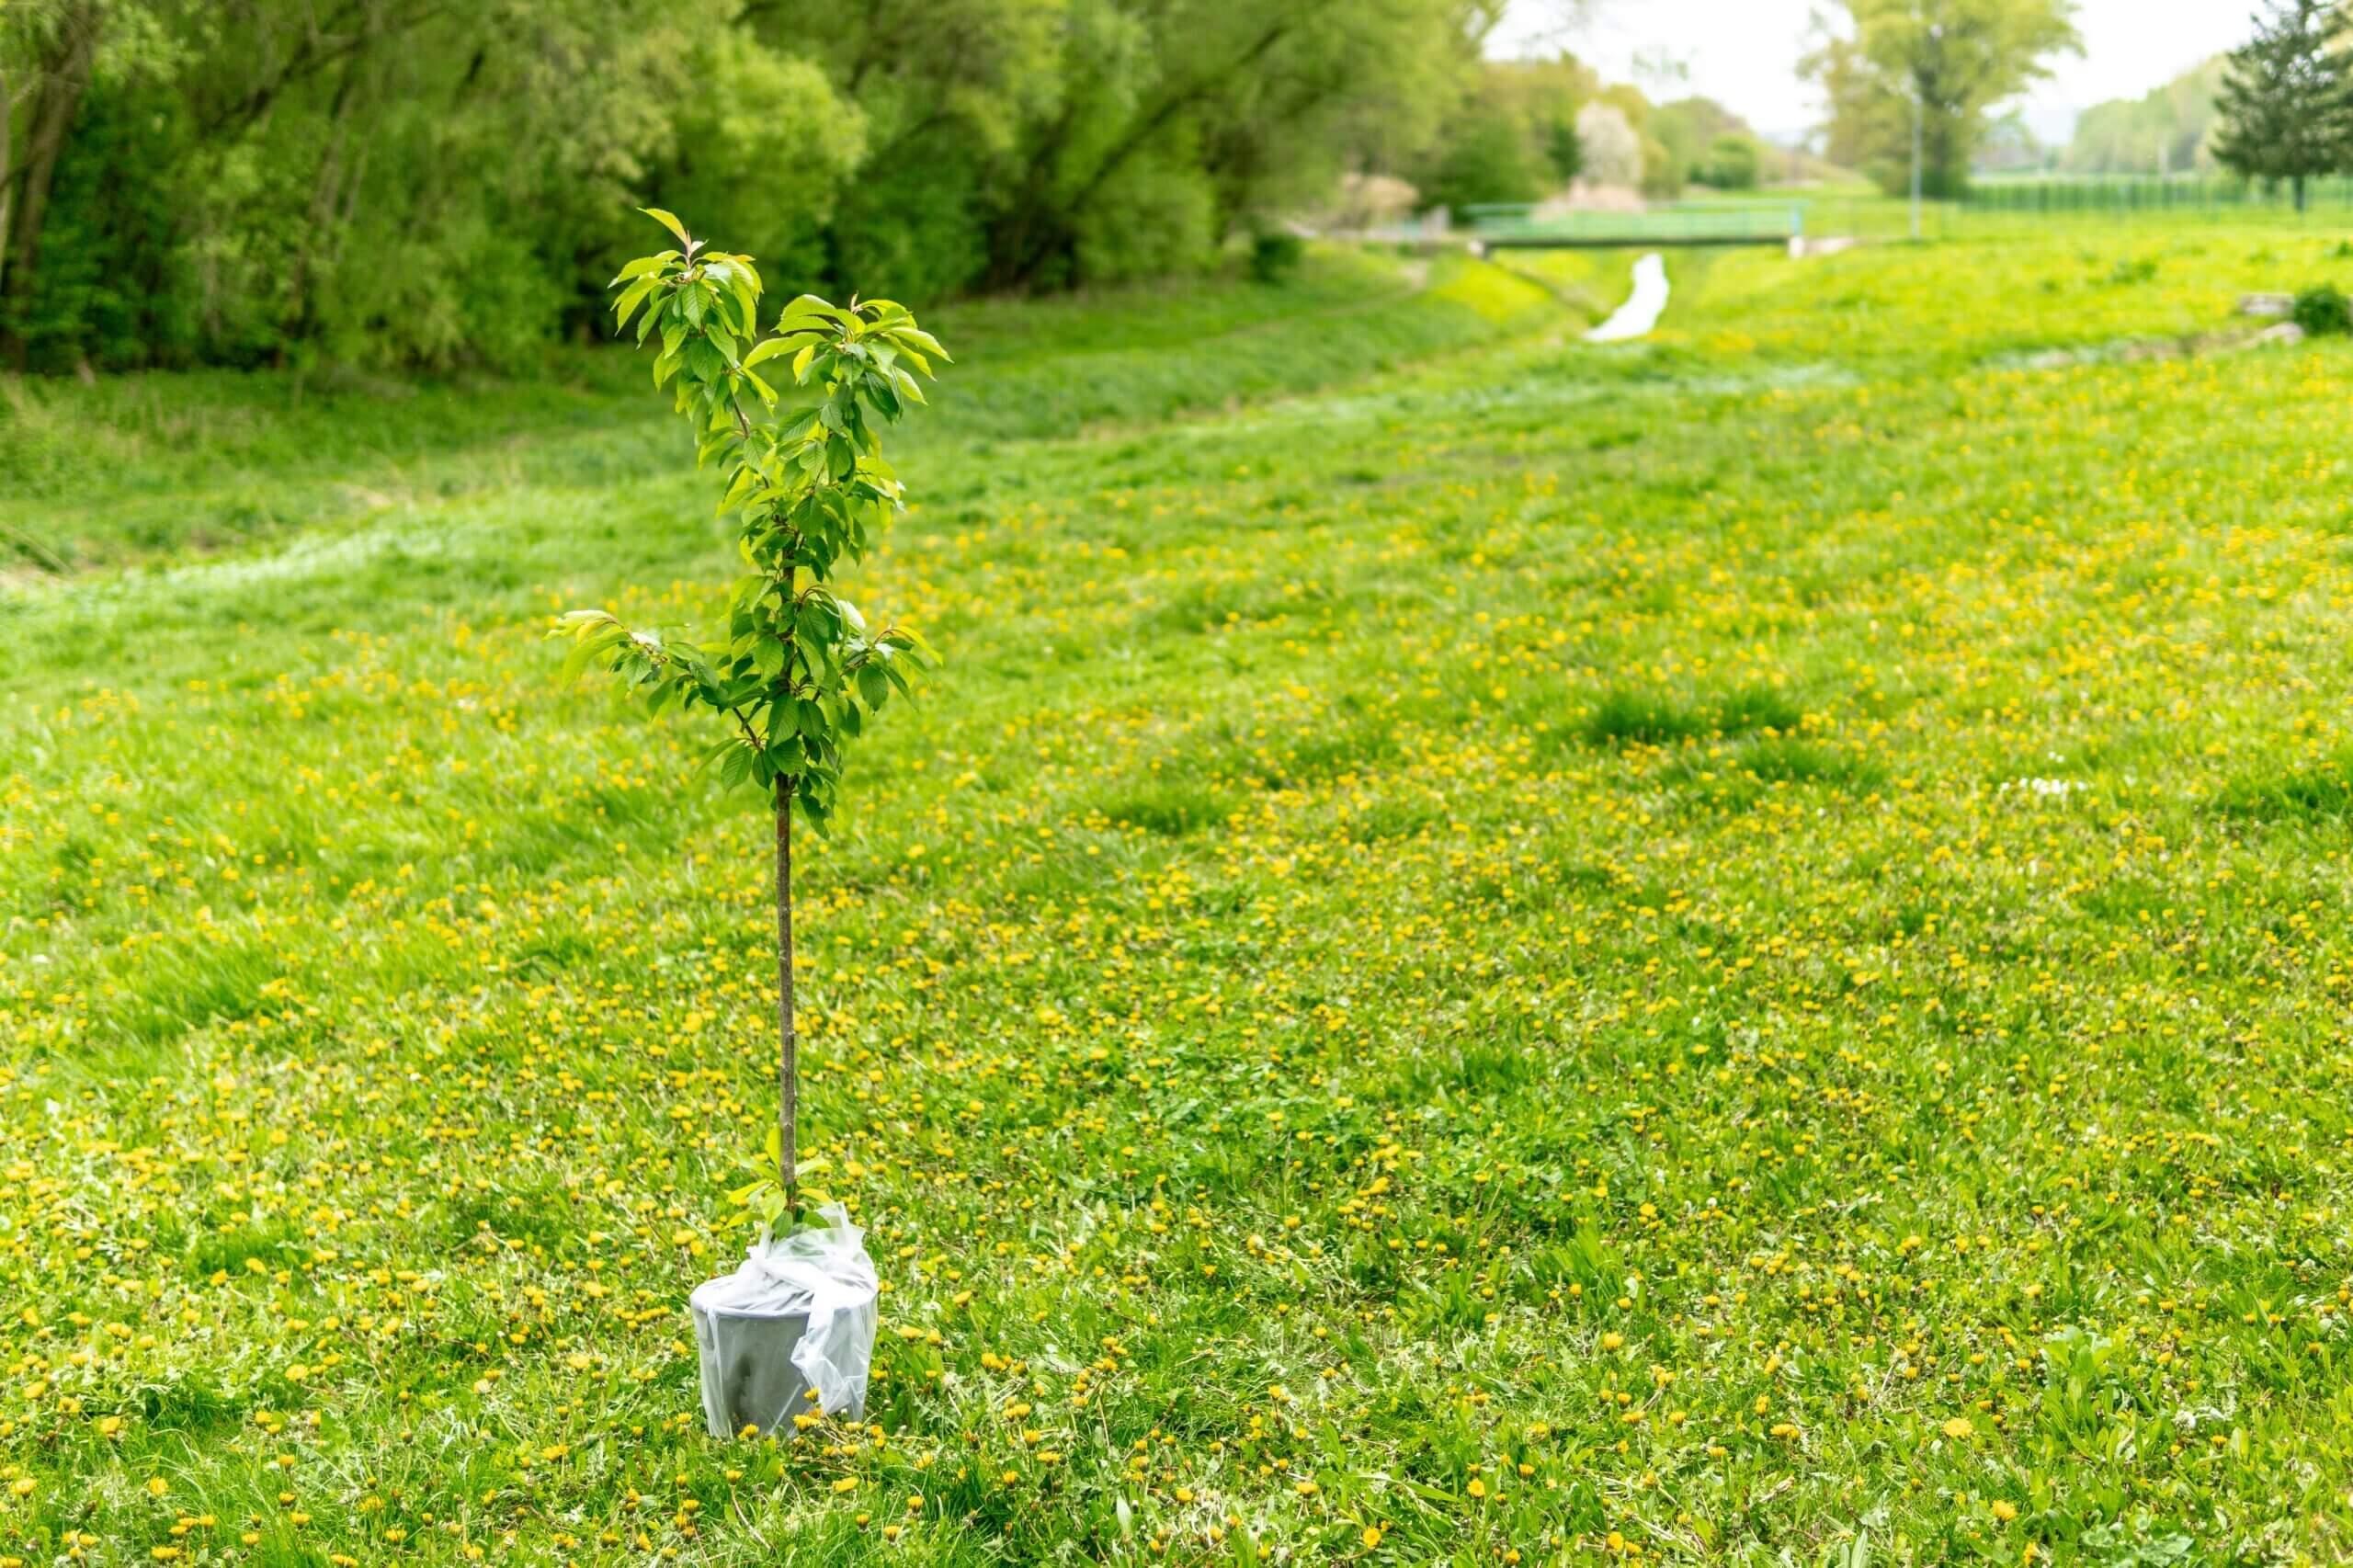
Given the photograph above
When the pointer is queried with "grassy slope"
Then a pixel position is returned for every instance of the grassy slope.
(1476, 957)
(143, 465)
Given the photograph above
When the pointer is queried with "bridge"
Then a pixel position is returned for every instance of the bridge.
(1522, 227)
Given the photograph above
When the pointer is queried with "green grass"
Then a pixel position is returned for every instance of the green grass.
(145, 465)
(1729, 947)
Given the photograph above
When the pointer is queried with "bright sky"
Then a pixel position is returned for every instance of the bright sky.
(1744, 53)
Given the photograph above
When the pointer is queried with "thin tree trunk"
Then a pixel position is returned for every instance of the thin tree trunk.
(324, 192)
(788, 1067)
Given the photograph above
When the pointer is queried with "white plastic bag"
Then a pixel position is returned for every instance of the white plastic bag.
(755, 1367)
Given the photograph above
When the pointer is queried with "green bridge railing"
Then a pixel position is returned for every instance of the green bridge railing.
(1697, 224)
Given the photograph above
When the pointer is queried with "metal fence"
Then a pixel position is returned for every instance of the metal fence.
(2125, 195)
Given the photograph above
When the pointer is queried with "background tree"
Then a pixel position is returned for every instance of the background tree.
(2163, 131)
(1563, 152)
(1952, 59)
(1733, 162)
(1613, 153)
(1515, 126)
(1687, 128)
(2285, 110)
(270, 179)
(52, 52)
(1485, 155)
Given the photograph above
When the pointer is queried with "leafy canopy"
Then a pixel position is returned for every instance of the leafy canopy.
(1952, 59)
(799, 671)
(2286, 107)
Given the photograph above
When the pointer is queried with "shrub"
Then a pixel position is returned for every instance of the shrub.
(2321, 311)
(1733, 162)
(1275, 255)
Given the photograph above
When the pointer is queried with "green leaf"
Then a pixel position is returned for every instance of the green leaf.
(917, 338)
(668, 222)
(807, 311)
(631, 297)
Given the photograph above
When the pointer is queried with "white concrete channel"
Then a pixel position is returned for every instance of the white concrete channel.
(1640, 311)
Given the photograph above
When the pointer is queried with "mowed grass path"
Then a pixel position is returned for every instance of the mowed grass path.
(1689, 952)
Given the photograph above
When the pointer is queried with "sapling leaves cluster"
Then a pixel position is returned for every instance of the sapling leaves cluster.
(790, 416)
(800, 670)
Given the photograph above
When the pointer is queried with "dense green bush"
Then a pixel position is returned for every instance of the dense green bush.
(1733, 162)
(1275, 255)
(115, 291)
(2321, 311)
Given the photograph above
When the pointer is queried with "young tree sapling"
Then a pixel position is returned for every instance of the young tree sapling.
(799, 672)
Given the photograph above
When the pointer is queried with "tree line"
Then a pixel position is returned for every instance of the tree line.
(403, 181)
(414, 182)
(1914, 82)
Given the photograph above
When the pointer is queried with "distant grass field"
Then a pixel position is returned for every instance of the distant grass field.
(1726, 950)
(140, 465)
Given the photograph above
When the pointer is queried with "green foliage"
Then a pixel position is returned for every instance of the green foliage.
(1275, 255)
(800, 673)
(1691, 129)
(114, 291)
(1561, 148)
(2285, 110)
(1526, 127)
(762, 150)
(1484, 155)
(1153, 216)
(416, 184)
(2323, 311)
(1955, 59)
(1733, 162)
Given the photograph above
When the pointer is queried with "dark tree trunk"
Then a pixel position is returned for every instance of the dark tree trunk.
(65, 72)
(7, 174)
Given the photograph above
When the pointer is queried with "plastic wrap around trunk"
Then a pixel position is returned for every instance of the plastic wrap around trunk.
(749, 1376)
(798, 1316)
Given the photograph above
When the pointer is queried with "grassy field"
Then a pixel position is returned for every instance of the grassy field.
(1723, 949)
